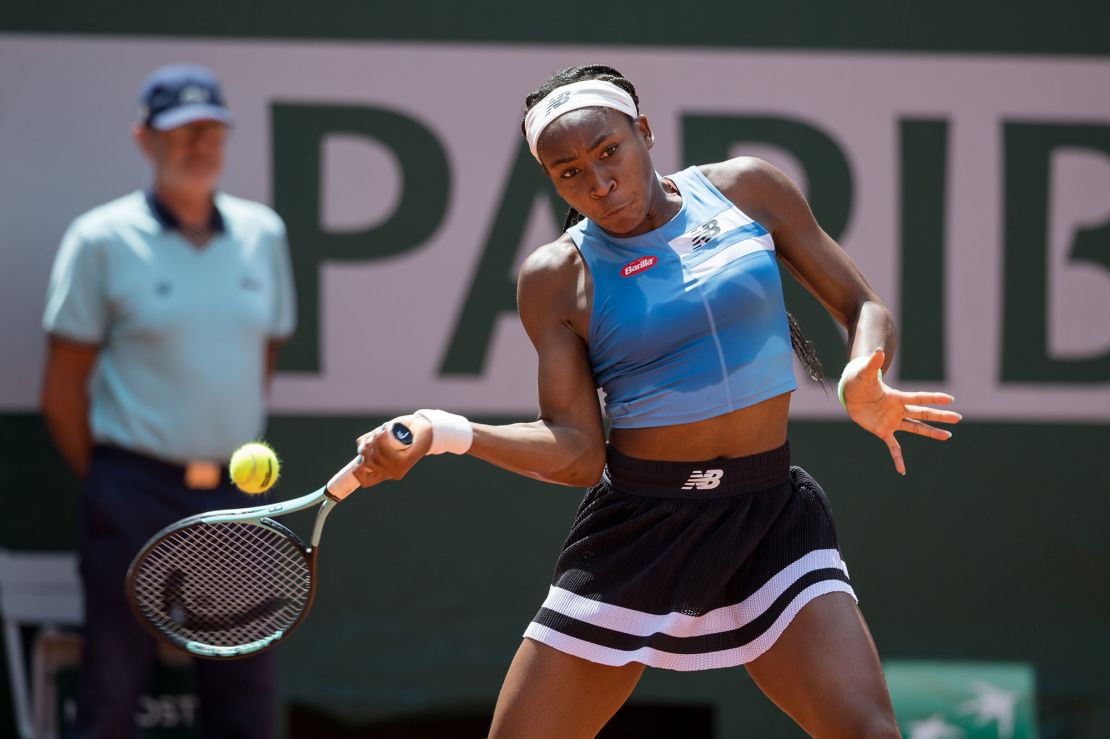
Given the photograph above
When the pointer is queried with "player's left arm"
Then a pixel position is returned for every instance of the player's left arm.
(830, 275)
(810, 254)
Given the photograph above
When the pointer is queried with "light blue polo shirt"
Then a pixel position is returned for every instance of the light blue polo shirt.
(182, 331)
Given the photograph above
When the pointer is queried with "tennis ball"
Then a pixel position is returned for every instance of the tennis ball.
(254, 467)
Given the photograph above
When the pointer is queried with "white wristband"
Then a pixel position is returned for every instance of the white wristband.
(850, 371)
(450, 432)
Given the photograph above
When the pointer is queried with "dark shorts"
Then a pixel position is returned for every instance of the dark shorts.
(690, 565)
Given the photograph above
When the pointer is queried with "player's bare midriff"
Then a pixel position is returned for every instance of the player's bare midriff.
(757, 428)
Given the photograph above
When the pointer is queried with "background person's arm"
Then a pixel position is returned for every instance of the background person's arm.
(65, 400)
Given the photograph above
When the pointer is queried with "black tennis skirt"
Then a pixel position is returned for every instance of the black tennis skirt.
(690, 565)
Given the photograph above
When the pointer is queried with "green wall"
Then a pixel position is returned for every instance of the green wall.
(992, 547)
(979, 26)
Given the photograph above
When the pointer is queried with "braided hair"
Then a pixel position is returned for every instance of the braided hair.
(802, 346)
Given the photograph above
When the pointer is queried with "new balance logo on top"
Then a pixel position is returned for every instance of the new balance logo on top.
(704, 233)
(704, 479)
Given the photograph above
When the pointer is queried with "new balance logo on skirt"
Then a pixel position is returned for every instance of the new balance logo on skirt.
(704, 479)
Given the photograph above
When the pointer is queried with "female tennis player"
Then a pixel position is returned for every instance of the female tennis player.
(698, 545)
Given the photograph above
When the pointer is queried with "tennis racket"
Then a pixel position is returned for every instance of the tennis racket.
(228, 584)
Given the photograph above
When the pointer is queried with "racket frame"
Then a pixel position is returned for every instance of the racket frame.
(257, 516)
(342, 484)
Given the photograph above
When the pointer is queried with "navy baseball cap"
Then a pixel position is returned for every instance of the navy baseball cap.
(178, 94)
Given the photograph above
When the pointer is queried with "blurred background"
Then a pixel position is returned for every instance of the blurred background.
(960, 152)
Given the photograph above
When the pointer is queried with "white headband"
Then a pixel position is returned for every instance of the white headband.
(584, 94)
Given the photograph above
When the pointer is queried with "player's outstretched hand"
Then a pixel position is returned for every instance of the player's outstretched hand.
(384, 457)
(883, 410)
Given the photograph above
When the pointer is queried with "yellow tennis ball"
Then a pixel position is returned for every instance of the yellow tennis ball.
(254, 467)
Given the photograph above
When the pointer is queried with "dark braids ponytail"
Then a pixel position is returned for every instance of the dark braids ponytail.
(803, 348)
(805, 351)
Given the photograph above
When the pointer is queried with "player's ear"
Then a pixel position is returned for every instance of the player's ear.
(644, 129)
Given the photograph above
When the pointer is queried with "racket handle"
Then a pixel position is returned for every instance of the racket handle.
(344, 482)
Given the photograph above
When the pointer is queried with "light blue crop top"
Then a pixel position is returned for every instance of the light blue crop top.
(688, 320)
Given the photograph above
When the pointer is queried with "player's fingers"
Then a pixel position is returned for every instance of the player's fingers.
(372, 439)
(896, 454)
(366, 477)
(384, 462)
(934, 415)
(370, 435)
(924, 429)
(927, 398)
(365, 455)
(372, 452)
(875, 361)
(364, 448)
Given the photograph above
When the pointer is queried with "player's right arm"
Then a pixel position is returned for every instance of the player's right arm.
(65, 400)
(566, 443)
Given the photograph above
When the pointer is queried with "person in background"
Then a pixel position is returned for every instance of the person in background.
(164, 310)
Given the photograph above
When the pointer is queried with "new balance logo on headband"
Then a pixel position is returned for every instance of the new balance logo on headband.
(556, 101)
(565, 98)
(704, 479)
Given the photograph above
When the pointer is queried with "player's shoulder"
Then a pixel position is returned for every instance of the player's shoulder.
(250, 214)
(560, 258)
(743, 173)
(757, 187)
(549, 279)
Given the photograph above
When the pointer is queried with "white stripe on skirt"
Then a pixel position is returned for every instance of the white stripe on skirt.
(630, 621)
(681, 625)
(687, 662)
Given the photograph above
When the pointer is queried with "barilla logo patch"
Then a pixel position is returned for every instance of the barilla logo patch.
(638, 265)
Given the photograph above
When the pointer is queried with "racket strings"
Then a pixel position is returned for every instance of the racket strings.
(224, 584)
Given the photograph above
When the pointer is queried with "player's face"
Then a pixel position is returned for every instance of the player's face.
(598, 159)
(189, 157)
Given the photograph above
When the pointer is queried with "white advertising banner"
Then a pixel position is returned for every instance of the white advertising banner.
(385, 324)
